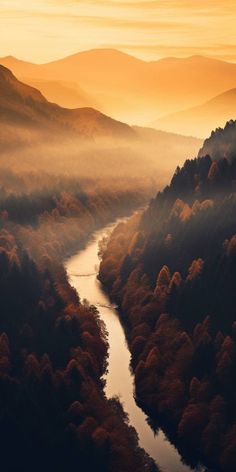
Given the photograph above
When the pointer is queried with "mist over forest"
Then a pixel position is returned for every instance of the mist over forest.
(118, 247)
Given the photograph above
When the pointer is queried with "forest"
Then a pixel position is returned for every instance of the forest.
(172, 270)
(54, 413)
(118, 236)
(53, 346)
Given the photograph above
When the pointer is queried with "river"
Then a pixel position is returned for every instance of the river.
(82, 271)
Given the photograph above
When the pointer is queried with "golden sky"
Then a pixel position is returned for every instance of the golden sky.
(43, 30)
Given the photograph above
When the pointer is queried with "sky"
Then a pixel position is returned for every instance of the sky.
(44, 30)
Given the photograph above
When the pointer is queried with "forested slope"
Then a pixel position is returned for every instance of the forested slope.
(173, 270)
(53, 348)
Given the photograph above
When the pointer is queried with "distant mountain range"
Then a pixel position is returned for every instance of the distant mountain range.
(128, 88)
(29, 121)
(200, 120)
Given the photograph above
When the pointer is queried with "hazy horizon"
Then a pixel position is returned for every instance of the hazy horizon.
(142, 96)
(146, 29)
(130, 54)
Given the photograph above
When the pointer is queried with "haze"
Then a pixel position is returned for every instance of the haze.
(146, 29)
(118, 235)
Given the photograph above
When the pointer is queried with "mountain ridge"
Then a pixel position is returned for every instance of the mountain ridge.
(85, 136)
(119, 53)
(23, 104)
(128, 88)
(200, 120)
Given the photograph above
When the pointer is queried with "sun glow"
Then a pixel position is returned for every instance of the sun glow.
(147, 29)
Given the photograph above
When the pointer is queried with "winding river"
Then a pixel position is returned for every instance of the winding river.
(82, 271)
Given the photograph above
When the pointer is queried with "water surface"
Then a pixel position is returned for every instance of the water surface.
(82, 270)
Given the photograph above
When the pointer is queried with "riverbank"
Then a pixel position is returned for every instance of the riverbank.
(82, 271)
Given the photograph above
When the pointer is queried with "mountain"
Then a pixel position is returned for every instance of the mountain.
(100, 73)
(200, 120)
(20, 67)
(83, 139)
(221, 143)
(128, 88)
(25, 107)
(68, 94)
(193, 80)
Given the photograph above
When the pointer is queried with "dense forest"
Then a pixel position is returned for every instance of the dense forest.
(54, 193)
(221, 143)
(172, 270)
(53, 348)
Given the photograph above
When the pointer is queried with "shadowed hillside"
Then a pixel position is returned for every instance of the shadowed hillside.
(25, 105)
(81, 140)
(221, 143)
(172, 271)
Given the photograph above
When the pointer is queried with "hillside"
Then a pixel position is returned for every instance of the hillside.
(146, 91)
(91, 141)
(68, 94)
(172, 271)
(200, 120)
(26, 107)
(221, 143)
